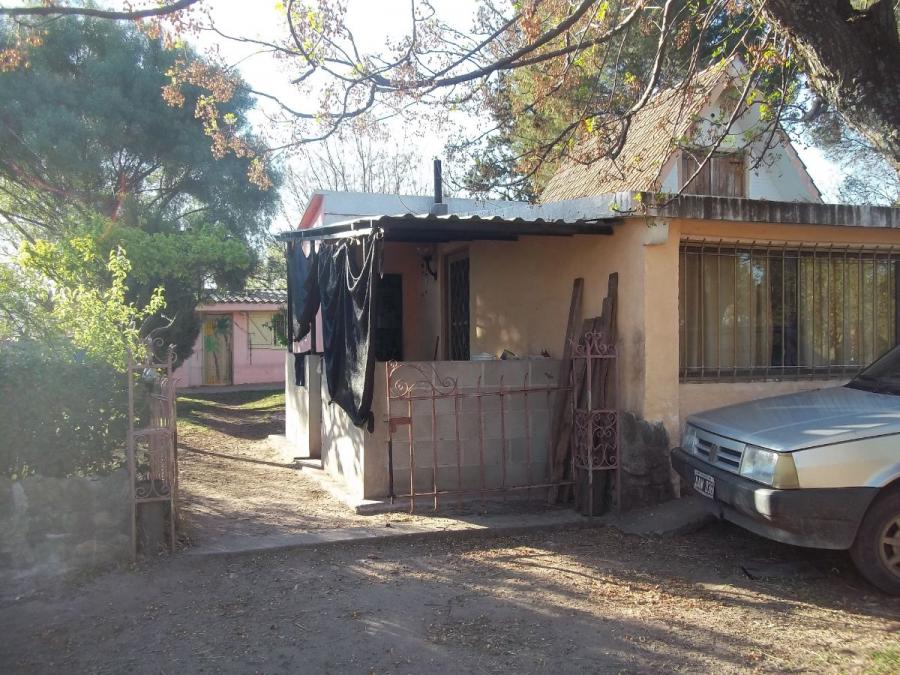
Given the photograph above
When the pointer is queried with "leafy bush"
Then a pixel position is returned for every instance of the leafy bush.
(59, 415)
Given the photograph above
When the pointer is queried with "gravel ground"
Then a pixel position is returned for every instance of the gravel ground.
(582, 601)
(589, 600)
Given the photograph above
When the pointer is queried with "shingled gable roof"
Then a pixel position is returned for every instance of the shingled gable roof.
(650, 142)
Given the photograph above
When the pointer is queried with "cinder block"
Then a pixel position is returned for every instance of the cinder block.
(518, 474)
(491, 450)
(493, 476)
(444, 406)
(469, 427)
(544, 372)
(401, 455)
(540, 427)
(491, 403)
(464, 373)
(450, 478)
(422, 453)
(471, 477)
(516, 401)
(518, 451)
(468, 403)
(511, 424)
(446, 427)
(449, 453)
(511, 373)
(399, 407)
(423, 480)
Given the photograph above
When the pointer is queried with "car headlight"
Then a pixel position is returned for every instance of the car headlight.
(772, 468)
(689, 439)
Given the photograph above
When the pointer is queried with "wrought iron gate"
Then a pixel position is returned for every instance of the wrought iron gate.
(152, 436)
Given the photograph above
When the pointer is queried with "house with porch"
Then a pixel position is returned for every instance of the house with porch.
(742, 285)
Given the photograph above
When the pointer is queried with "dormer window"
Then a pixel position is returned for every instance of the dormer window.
(724, 175)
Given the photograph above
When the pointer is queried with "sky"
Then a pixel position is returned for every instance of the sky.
(373, 22)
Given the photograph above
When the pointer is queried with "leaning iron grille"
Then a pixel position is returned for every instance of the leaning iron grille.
(753, 311)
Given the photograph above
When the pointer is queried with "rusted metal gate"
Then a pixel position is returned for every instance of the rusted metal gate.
(456, 435)
(152, 436)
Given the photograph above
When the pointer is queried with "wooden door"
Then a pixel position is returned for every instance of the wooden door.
(217, 349)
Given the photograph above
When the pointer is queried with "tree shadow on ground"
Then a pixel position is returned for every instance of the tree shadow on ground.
(577, 601)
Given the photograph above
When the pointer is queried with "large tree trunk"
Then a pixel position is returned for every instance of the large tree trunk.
(853, 60)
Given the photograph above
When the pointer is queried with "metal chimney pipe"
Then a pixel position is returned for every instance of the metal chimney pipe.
(439, 208)
(438, 183)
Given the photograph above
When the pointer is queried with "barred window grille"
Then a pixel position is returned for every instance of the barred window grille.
(458, 308)
(754, 311)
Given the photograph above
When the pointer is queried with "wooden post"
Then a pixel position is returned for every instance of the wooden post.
(559, 424)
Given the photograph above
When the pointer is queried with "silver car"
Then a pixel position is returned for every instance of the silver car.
(818, 469)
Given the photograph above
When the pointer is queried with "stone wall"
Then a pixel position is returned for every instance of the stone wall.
(646, 470)
(53, 526)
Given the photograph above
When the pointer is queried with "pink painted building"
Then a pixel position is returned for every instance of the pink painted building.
(241, 341)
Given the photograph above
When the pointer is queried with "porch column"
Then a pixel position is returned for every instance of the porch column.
(303, 408)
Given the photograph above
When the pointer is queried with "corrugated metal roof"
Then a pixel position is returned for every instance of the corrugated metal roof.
(411, 227)
(252, 297)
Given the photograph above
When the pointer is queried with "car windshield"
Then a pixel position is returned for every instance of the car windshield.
(882, 377)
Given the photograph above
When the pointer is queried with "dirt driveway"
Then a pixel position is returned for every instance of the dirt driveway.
(235, 485)
(582, 601)
(590, 600)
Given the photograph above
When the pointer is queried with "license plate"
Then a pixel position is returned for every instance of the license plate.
(704, 484)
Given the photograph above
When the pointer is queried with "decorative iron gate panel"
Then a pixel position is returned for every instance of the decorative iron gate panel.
(595, 428)
(152, 436)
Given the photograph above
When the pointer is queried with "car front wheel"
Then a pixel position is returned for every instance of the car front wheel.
(876, 550)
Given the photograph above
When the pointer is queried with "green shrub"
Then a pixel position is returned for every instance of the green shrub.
(59, 415)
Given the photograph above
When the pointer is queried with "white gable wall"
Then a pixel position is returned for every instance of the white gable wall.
(781, 175)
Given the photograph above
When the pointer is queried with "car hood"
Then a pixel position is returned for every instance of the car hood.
(805, 420)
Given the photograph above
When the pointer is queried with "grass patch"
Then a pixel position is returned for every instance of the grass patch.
(885, 661)
(195, 410)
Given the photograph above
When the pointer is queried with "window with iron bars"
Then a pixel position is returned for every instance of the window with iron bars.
(755, 312)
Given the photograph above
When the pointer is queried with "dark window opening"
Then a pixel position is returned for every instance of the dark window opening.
(388, 334)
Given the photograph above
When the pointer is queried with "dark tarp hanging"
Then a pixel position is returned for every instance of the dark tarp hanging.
(348, 297)
(303, 288)
(346, 291)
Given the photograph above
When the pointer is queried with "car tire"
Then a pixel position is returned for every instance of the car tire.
(876, 551)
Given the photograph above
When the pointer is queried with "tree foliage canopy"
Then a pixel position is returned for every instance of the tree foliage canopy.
(90, 149)
(845, 51)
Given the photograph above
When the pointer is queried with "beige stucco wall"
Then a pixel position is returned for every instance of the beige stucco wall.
(421, 299)
(520, 293)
